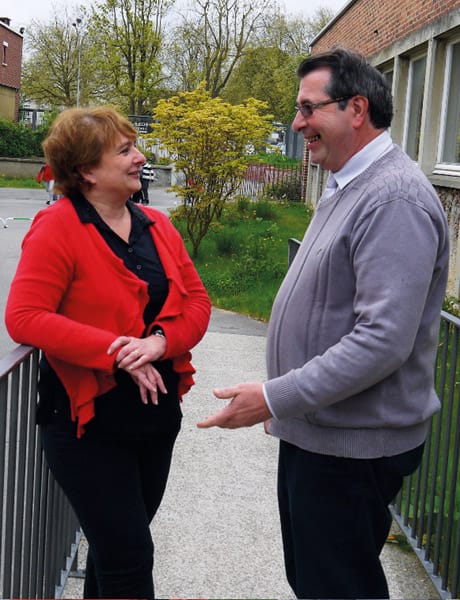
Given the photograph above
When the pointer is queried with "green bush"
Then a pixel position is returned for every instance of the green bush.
(19, 141)
(243, 204)
(243, 258)
(226, 243)
(452, 305)
(289, 190)
(264, 210)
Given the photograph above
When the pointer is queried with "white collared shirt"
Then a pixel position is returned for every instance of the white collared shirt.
(360, 161)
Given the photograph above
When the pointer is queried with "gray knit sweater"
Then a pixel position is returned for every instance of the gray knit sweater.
(354, 328)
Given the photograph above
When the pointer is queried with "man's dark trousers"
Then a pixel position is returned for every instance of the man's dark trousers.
(335, 520)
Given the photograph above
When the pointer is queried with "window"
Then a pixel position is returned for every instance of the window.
(5, 47)
(389, 77)
(414, 106)
(449, 151)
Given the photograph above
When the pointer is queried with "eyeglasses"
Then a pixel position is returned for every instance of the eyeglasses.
(306, 108)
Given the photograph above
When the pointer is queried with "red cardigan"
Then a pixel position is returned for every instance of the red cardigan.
(71, 297)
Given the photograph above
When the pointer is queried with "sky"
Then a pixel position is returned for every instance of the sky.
(21, 12)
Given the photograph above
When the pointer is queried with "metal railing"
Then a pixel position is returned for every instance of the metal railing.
(428, 507)
(270, 181)
(39, 533)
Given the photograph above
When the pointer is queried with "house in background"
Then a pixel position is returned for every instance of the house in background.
(416, 44)
(10, 69)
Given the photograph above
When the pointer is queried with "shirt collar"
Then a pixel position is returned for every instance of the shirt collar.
(360, 161)
(88, 214)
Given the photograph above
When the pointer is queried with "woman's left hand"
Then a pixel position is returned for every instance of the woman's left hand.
(149, 381)
(137, 352)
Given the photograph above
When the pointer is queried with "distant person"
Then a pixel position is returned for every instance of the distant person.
(107, 290)
(147, 175)
(46, 176)
(352, 337)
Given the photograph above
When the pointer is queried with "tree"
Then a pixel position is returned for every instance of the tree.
(268, 69)
(183, 57)
(50, 71)
(127, 37)
(290, 33)
(268, 74)
(207, 138)
(211, 40)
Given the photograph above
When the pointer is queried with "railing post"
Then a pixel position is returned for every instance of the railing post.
(293, 246)
(37, 531)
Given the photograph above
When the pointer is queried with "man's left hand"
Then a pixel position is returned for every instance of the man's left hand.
(246, 408)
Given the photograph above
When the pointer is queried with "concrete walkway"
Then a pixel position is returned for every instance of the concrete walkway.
(217, 533)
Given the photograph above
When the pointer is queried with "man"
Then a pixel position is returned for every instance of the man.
(352, 338)
(147, 175)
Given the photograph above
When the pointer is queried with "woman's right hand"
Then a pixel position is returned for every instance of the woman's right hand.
(149, 381)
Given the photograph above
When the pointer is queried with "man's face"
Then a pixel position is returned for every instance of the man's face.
(329, 131)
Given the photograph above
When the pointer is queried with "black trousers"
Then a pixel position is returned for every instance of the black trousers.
(115, 487)
(335, 520)
(145, 190)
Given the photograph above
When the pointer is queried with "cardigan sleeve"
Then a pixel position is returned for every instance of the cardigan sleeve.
(33, 315)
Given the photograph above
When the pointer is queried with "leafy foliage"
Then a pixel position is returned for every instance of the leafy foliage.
(291, 34)
(452, 305)
(267, 70)
(211, 40)
(288, 189)
(267, 74)
(50, 71)
(244, 257)
(19, 141)
(127, 38)
(116, 44)
(127, 53)
(207, 139)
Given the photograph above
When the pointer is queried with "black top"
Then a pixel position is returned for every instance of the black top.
(120, 411)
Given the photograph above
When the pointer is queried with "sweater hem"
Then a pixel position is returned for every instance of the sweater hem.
(350, 443)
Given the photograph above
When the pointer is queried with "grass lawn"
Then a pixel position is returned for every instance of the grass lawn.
(244, 257)
(18, 182)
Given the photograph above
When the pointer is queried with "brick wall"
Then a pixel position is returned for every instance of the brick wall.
(371, 25)
(10, 71)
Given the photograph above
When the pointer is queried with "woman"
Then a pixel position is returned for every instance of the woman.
(106, 289)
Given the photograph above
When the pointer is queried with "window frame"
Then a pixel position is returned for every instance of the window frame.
(408, 106)
(444, 168)
(4, 52)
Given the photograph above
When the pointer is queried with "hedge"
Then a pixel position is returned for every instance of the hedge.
(19, 141)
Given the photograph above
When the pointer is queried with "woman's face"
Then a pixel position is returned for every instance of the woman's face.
(118, 171)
